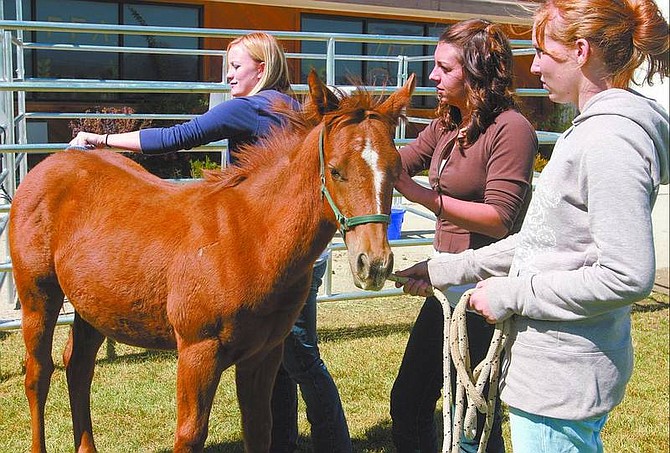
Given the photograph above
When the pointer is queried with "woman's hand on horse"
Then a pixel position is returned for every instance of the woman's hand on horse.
(416, 193)
(87, 140)
(417, 281)
(407, 186)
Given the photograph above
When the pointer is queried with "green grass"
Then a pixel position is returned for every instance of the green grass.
(133, 399)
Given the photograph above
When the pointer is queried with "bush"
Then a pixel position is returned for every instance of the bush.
(540, 162)
(108, 125)
(197, 166)
(170, 165)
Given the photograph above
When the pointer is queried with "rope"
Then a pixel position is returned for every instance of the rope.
(469, 383)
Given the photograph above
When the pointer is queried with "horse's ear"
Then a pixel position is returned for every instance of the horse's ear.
(321, 96)
(395, 104)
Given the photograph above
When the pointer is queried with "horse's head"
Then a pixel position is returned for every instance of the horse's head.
(360, 165)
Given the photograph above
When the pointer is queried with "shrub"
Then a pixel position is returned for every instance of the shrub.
(197, 166)
(540, 162)
(170, 165)
(108, 125)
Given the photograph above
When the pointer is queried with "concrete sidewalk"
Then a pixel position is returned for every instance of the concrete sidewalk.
(661, 222)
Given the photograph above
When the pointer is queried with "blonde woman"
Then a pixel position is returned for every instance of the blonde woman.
(258, 77)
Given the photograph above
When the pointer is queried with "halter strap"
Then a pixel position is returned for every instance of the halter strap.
(345, 223)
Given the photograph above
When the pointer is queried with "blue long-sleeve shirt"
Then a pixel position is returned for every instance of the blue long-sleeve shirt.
(240, 120)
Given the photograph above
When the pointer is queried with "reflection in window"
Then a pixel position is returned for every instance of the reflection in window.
(112, 65)
(9, 9)
(385, 73)
(160, 67)
(84, 65)
(347, 71)
(371, 72)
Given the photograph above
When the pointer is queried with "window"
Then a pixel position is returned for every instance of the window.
(160, 67)
(370, 72)
(9, 9)
(113, 65)
(66, 64)
(385, 73)
(10, 13)
(346, 71)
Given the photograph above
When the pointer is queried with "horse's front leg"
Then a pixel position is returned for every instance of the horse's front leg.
(79, 359)
(255, 378)
(199, 368)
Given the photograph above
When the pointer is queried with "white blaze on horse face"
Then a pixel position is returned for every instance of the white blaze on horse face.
(371, 156)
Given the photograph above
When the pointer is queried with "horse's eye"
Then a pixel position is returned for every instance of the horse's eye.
(336, 174)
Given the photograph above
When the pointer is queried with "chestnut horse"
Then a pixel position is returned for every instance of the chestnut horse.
(217, 269)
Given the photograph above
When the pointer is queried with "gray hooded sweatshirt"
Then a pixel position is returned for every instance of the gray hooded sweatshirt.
(584, 254)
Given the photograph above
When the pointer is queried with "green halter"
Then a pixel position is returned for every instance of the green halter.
(345, 224)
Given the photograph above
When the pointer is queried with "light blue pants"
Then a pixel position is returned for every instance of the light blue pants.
(537, 434)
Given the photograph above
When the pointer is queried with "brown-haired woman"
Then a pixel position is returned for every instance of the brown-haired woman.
(479, 155)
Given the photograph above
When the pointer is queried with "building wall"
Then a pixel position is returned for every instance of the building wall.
(502, 11)
(248, 16)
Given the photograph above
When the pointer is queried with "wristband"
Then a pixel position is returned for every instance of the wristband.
(106, 138)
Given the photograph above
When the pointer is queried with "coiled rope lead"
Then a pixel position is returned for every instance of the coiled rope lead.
(469, 383)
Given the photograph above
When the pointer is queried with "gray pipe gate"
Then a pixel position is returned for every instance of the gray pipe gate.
(14, 116)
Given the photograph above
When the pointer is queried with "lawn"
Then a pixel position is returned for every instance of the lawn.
(133, 401)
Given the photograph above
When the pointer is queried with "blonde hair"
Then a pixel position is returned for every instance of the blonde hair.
(264, 48)
(627, 32)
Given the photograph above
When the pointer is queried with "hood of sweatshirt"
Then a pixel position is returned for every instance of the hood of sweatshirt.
(645, 112)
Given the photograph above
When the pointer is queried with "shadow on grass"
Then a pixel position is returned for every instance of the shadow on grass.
(145, 356)
(325, 335)
(148, 355)
(649, 306)
(364, 331)
(223, 447)
(151, 355)
(375, 439)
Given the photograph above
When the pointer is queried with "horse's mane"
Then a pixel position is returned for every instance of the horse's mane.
(269, 150)
(357, 107)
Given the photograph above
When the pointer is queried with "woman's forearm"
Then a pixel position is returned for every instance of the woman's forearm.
(129, 141)
(476, 217)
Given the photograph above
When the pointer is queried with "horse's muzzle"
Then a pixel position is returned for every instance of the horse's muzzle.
(371, 274)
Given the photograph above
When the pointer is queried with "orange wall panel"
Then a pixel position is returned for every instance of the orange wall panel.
(246, 17)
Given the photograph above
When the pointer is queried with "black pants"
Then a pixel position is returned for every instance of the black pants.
(418, 385)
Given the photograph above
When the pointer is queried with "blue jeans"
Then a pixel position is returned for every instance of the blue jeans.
(302, 365)
(418, 386)
(537, 434)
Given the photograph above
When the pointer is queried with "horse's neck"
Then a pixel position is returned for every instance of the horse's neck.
(288, 196)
